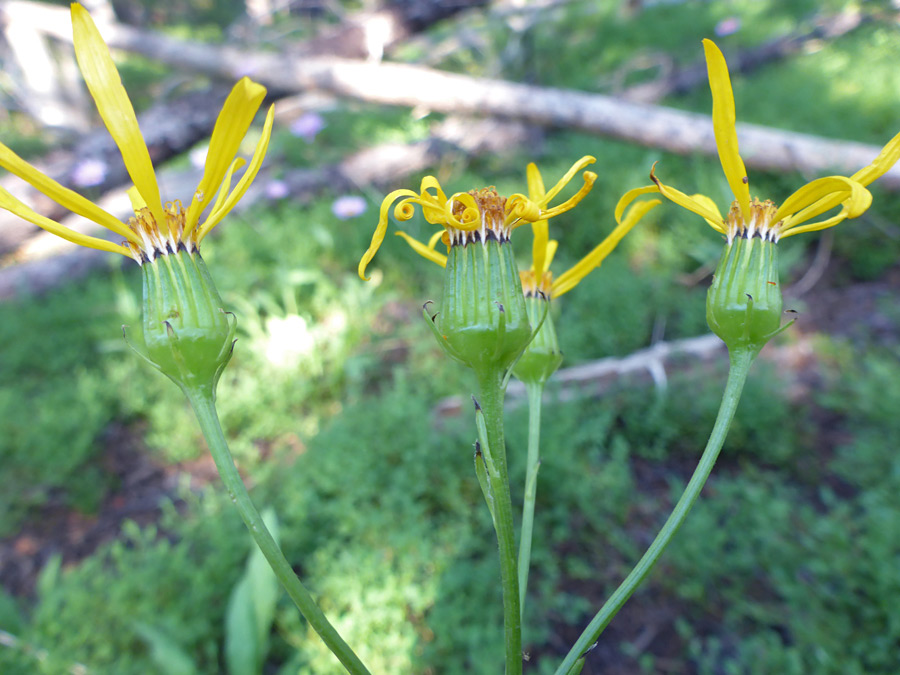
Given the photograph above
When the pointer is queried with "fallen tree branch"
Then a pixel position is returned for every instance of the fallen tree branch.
(595, 377)
(407, 85)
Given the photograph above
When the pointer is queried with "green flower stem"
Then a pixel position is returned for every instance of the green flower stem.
(737, 375)
(535, 394)
(491, 401)
(203, 402)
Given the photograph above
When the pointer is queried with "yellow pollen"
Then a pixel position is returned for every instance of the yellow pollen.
(760, 224)
(155, 240)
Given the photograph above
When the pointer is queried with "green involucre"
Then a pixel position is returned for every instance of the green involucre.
(744, 303)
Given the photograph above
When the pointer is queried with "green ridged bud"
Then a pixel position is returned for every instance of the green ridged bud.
(542, 356)
(483, 322)
(744, 304)
(187, 334)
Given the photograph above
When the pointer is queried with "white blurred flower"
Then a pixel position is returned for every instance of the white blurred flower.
(728, 26)
(348, 206)
(89, 172)
(276, 189)
(198, 156)
(307, 126)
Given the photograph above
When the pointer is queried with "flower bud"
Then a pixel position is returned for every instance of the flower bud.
(542, 356)
(744, 303)
(187, 334)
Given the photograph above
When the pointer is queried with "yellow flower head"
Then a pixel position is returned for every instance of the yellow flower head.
(539, 279)
(751, 217)
(156, 228)
(478, 215)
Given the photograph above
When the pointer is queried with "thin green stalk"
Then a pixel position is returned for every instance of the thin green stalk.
(535, 394)
(203, 402)
(737, 375)
(491, 402)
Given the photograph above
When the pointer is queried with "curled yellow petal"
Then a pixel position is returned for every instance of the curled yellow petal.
(567, 178)
(13, 205)
(572, 277)
(723, 117)
(223, 208)
(115, 108)
(423, 250)
(231, 126)
(589, 178)
(381, 228)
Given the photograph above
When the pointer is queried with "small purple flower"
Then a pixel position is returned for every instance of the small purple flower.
(307, 126)
(89, 172)
(728, 26)
(276, 189)
(348, 206)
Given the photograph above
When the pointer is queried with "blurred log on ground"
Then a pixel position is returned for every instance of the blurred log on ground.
(597, 377)
(45, 260)
(416, 86)
(94, 164)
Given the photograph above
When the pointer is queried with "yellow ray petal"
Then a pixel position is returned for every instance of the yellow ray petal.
(115, 108)
(13, 205)
(856, 200)
(137, 202)
(231, 126)
(539, 228)
(805, 202)
(724, 126)
(225, 187)
(222, 210)
(631, 195)
(435, 238)
(713, 208)
(423, 250)
(567, 178)
(703, 206)
(589, 179)
(818, 225)
(381, 228)
(62, 195)
(552, 245)
(888, 156)
(572, 277)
